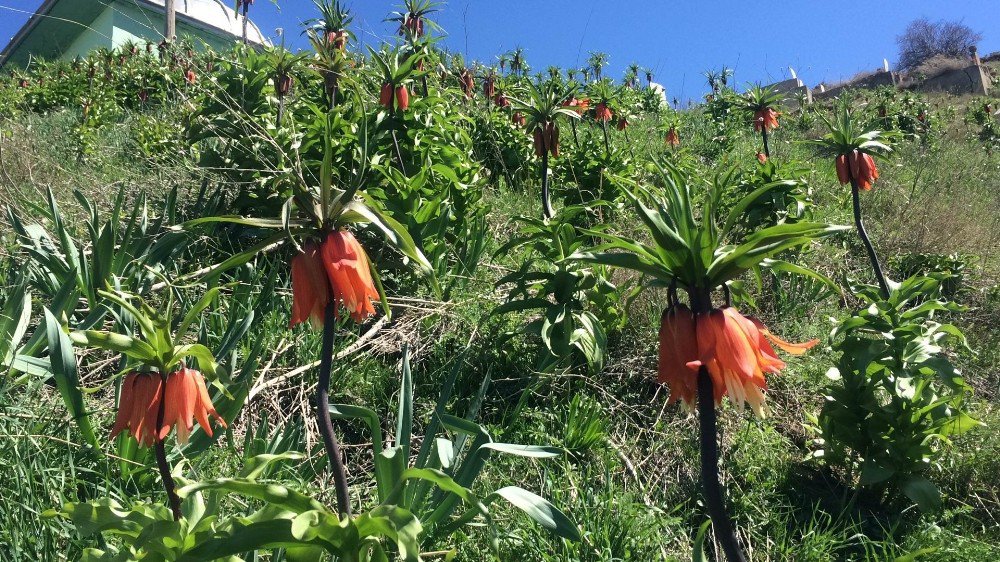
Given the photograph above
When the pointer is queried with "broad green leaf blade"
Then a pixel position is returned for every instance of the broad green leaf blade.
(529, 451)
(541, 511)
(14, 319)
(274, 494)
(62, 360)
(255, 466)
(924, 493)
(404, 415)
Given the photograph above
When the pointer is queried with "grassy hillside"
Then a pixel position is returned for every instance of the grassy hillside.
(465, 176)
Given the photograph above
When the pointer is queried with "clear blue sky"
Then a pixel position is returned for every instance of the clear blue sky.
(822, 40)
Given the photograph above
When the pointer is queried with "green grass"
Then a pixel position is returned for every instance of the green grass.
(631, 479)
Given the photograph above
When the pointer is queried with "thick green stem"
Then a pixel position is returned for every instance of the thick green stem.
(872, 256)
(546, 202)
(399, 152)
(161, 456)
(323, 410)
(767, 149)
(701, 303)
(714, 498)
(607, 143)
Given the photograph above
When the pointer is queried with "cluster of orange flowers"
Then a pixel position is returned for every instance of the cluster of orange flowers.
(735, 350)
(673, 139)
(547, 140)
(184, 400)
(337, 271)
(765, 119)
(602, 112)
(857, 165)
(579, 106)
(399, 94)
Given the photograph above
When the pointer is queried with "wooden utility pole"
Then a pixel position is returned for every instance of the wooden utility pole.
(171, 27)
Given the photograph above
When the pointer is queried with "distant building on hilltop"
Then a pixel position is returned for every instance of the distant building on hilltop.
(65, 29)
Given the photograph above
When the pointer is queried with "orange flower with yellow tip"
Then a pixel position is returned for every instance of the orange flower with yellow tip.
(737, 352)
(857, 165)
(186, 400)
(349, 272)
(139, 407)
(863, 169)
(337, 271)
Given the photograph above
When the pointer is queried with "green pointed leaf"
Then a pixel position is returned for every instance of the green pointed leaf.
(63, 363)
(541, 511)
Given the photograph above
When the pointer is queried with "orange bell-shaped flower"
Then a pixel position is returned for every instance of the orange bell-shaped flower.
(673, 139)
(843, 173)
(187, 400)
(402, 98)
(863, 169)
(310, 287)
(736, 351)
(385, 95)
(765, 119)
(602, 112)
(349, 271)
(678, 347)
(139, 406)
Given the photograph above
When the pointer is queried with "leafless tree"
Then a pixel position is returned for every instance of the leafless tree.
(924, 39)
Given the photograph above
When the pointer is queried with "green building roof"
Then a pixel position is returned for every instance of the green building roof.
(65, 29)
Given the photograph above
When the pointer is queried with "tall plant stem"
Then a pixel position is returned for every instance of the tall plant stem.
(701, 303)
(323, 410)
(423, 82)
(161, 456)
(246, 7)
(872, 256)
(714, 498)
(332, 90)
(546, 203)
(576, 141)
(607, 143)
(767, 149)
(399, 153)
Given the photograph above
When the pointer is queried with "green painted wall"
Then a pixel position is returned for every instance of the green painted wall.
(132, 23)
(117, 22)
(99, 34)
